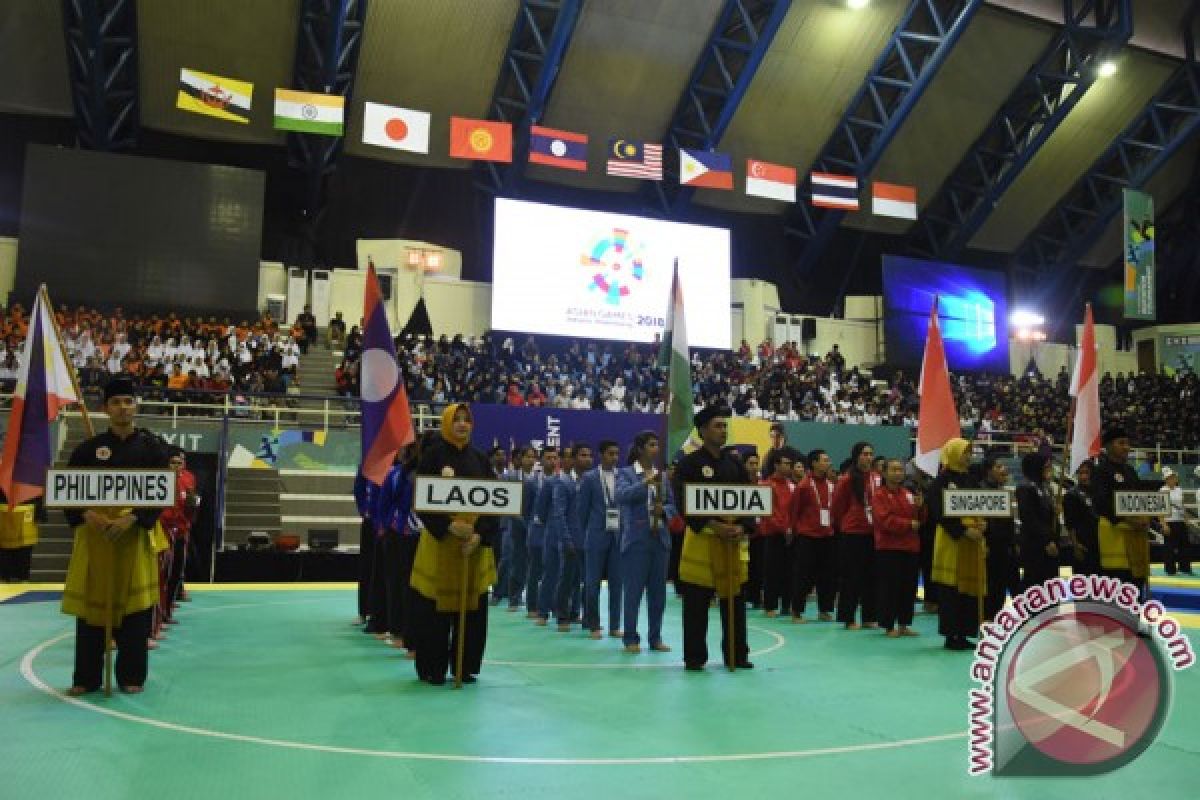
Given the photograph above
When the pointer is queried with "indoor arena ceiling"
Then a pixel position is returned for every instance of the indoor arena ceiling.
(624, 71)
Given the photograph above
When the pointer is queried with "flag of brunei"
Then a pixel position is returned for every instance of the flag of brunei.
(214, 96)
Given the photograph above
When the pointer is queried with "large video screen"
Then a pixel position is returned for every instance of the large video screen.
(144, 233)
(972, 312)
(590, 274)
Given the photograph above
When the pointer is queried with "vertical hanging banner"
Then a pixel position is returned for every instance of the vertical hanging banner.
(1139, 255)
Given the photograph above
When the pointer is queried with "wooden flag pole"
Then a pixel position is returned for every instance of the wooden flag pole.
(731, 629)
(112, 547)
(460, 644)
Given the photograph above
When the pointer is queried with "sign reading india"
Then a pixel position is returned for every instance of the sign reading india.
(470, 495)
(977, 503)
(1141, 504)
(727, 500)
(100, 488)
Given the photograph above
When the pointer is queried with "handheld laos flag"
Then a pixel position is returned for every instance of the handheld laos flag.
(937, 419)
(387, 423)
(44, 386)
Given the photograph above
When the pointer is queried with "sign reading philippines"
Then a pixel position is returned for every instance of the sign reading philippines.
(589, 274)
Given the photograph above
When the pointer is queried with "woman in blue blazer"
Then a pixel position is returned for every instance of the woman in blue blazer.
(644, 497)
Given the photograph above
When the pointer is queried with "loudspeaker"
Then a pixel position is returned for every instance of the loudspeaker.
(322, 539)
(808, 329)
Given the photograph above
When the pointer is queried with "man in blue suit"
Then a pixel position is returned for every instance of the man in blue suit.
(599, 519)
(646, 504)
(564, 518)
(551, 568)
(538, 489)
(499, 459)
(518, 563)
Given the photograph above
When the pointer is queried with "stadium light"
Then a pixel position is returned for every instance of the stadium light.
(1107, 69)
(1022, 318)
(857, 4)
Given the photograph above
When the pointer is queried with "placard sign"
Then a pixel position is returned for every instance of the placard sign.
(727, 499)
(467, 495)
(1141, 504)
(977, 503)
(78, 487)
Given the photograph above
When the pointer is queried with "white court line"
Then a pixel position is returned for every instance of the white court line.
(779, 642)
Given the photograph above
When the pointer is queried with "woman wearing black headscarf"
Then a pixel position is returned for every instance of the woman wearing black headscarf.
(1038, 514)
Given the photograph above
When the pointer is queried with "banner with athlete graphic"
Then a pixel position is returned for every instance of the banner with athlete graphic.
(571, 272)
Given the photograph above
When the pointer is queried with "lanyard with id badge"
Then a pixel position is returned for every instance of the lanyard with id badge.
(612, 514)
(826, 514)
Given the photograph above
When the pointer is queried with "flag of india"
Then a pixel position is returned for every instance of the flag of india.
(307, 112)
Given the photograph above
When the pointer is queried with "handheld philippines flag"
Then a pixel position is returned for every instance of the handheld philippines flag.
(674, 356)
(396, 128)
(309, 112)
(387, 423)
(893, 200)
(555, 148)
(705, 170)
(937, 419)
(1085, 388)
(835, 191)
(44, 386)
(628, 158)
(214, 96)
(480, 140)
(770, 180)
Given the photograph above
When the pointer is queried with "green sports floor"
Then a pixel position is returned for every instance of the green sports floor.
(269, 692)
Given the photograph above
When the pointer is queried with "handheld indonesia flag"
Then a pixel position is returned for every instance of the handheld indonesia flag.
(387, 422)
(1085, 388)
(937, 420)
(43, 387)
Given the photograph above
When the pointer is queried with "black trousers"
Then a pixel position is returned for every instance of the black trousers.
(15, 563)
(400, 602)
(930, 589)
(132, 661)
(813, 567)
(377, 594)
(1036, 566)
(753, 589)
(958, 613)
(436, 633)
(179, 549)
(673, 562)
(1177, 558)
(777, 573)
(1003, 578)
(366, 555)
(856, 572)
(696, 601)
(896, 576)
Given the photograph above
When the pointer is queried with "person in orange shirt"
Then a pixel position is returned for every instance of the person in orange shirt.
(776, 532)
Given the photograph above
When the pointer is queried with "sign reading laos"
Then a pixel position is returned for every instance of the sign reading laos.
(573, 272)
(467, 495)
(113, 488)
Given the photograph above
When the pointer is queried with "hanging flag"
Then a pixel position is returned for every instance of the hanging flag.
(893, 200)
(44, 386)
(673, 355)
(705, 170)
(480, 140)
(1139, 255)
(628, 158)
(387, 423)
(214, 96)
(937, 419)
(308, 112)
(1085, 388)
(555, 148)
(770, 180)
(835, 191)
(397, 128)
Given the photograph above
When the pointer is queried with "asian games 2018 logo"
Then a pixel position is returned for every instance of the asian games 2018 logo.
(616, 266)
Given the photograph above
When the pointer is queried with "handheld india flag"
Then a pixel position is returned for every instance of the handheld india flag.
(387, 423)
(674, 356)
(937, 419)
(1085, 388)
(309, 112)
(44, 386)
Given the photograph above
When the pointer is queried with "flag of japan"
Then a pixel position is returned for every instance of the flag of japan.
(397, 128)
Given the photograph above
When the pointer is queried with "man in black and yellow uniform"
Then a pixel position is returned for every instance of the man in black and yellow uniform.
(115, 551)
(18, 535)
(1124, 541)
(715, 556)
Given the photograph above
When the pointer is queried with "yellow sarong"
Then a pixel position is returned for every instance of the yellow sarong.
(128, 568)
(438, 571)
(705, 561)
(959, 563)
(17, 527)
(1124, 547)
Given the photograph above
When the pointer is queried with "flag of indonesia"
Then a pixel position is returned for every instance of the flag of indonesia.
(387, 424)
(937, 419)
(1085, 388)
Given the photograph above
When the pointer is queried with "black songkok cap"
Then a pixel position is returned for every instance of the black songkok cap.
(119, 387)
(1115, 432)
(709, 413)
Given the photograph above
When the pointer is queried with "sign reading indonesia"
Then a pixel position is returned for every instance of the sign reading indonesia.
(1141, 504)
